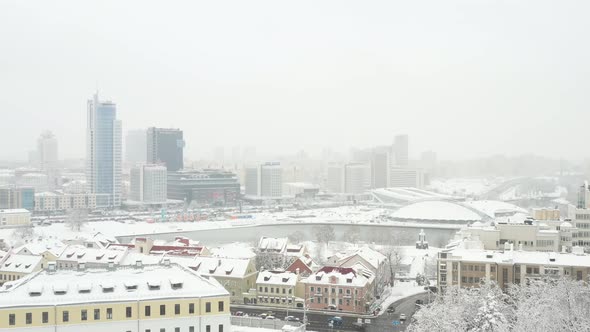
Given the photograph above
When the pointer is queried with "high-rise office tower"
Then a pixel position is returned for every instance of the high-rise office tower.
(165, 146)
(47, 159)
(47, 150)
(103, 151)
(357, 178)
(380, 166)
(400, 150)
(135, 146)
(265, 180)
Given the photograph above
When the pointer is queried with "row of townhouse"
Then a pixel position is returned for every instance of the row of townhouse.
(469, 267)
(165, 298)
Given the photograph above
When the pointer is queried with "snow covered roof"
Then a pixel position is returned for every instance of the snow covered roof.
(404, 195)
(40, 246)
(215, 266)
(234, 250)
(277, 278)
(100, 285)
(21, 263)
(372, 257)
(330, 275)
(81, 254)
(436, 210)
(271, 244)
(490, 207)
(521, 257)
(14, 211)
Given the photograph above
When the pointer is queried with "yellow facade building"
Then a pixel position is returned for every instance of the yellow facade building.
(150, 298)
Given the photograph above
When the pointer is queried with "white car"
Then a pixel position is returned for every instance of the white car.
(402, 317)
(270, 317)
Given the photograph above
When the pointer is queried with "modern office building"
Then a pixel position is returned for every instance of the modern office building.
(400, 150)
(136, 146)
(165, 146)
(103, 151)
(14, 197)
(335, 178)
(208, 186)
(265, 180)
(406, 177)
(149, 184)
(48, 159)
(141, 298)
(357, 178)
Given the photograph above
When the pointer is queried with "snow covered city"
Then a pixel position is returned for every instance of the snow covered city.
(292, 166)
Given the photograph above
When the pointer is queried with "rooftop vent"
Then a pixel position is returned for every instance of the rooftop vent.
(107, 287)
(166, 262)
(154, 284)
(176, 283)
(130, 285)
(138, 264)
(35, 289)
(489, 255)
(60, 289)
(84, 287)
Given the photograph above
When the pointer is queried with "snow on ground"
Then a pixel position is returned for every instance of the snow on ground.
(490, 207)
(237, 328)
(234, 250)
(400, 291)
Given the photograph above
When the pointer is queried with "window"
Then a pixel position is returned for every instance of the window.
(84, 314)
(162, 309)
(11, 319)
(148, 311)
(128, 312)
(191, 308)
(109, 313)
(162, 330)
(45, 317)
(311, 289)
(578, 275)
(290, 291)
(333, 290)
(340, 301)
(272, 289)
(340, 291)
(177, 309)
(266, 289)
(492, 268)
(208, 328)
(191, 329)
(326, 290)
(148, 330)
(177, 329)
(220, 306)
(348, 291)
(208, 307)
(29, 318)
(96, 314)
(284, 291)
(220, 327)
(65, 316)
(261, 289)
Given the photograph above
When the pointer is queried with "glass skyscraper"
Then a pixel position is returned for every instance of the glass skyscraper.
(103, 152)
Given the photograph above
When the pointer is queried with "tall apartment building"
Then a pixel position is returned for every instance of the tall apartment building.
(136, 146)
(164, 297)
(149, 184)
(103, 151)
(265, 180)
(335, 178)
(48, 159)
(165, 146)
(14, 197)
(469, 267)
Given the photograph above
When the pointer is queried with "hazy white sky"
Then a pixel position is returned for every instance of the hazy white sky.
(464, 78)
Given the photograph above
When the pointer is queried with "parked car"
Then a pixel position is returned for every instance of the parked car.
(391, 310)
(263, 315)
(270, 317)
(402, 317)
(291, 319)
(239, 313)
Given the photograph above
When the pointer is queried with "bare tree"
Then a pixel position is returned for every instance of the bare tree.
(296, 237)
(325, 234)
(22, 234)
(393, 253)
(352, 235)
(77, 218)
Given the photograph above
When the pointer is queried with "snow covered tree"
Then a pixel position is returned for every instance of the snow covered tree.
(77, 218)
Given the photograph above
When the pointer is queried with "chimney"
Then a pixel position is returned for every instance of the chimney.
(166, 261)
(138, 264)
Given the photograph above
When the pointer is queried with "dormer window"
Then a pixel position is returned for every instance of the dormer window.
(154, 285)
(99, 257)
(318, 278)
(107, 287)
(130, 286)
(176, 283)
(349, 280)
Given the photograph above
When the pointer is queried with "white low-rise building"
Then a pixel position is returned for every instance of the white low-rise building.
(15, 217)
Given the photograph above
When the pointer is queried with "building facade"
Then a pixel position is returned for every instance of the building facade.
(357, 178)
(406, 177)
(279, 289)
(469, 267)
(160, 298)
(103, 151)
(208, 186)
(60, 202)
(15, 217)
(165, 146)
(149, 184)
(15, 197)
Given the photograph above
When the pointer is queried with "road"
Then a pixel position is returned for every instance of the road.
(319, 321)
(404, 306)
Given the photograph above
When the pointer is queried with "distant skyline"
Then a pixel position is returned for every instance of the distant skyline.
(466, 79)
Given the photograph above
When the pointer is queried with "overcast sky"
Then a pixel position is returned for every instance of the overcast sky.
(464, 78)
